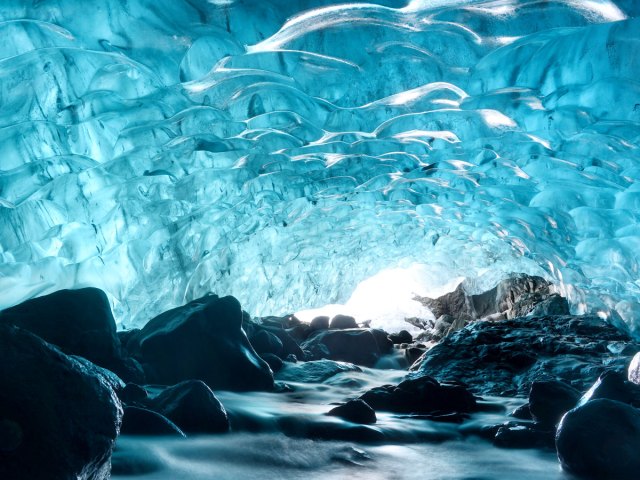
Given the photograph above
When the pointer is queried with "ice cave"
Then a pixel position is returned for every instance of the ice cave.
(305, 239)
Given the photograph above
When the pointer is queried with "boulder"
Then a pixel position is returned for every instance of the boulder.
(202, 340)
(355, 411)
(505, 357)
(523, 435)
(193, 407)
(141, 421)
(549, 400)
(634, 369)
(342, 322)
(59, 417)
(133, 394)
(79, 322)
(614, 386)
(600, 439)
(554, 304)
(275, 363)
(264, 341)
(359, 346)
(319, 323)
(385, 345)
(421, 395)
(299, 333)
(400, 337)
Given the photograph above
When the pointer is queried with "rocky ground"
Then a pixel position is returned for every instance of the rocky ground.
(72, 383)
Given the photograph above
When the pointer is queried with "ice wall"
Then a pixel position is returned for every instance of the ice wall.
(284, 151)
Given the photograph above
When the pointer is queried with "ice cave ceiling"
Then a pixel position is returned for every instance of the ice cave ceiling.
(284, 151)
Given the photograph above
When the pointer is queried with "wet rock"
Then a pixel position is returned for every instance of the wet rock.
(133, 394)
(202, 340)
(401, 337)
(614, 386)
(634, 369)
(273, 339)
(275, 363)
(549, 400)
(355, 411)
(505, 357)
(359, 346)
(422, 395)
(59, 417)
(522, 412)
(343, 322)
(319, 323)
(299, 333)
(264, 341)
(385, 345)
(289, 344)
(141, 421)
(193, 407)
(600, 439)
(79, 322)
(522, 435)
(554, 304)
(315, 371)
(412, 354)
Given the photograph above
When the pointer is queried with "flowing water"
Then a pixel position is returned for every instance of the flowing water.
(257, 448)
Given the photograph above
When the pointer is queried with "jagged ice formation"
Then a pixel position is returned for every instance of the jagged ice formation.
(284, 151)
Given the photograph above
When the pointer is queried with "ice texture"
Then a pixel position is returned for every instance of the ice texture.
(283, 151)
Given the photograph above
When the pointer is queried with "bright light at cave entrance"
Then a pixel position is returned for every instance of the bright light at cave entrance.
(387, 298)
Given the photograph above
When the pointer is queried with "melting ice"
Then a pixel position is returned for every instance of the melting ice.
(286, 151)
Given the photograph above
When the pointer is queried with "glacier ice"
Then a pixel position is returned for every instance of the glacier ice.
(285, 151)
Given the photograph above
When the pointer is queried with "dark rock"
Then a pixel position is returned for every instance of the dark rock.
(505, 357)
(385, 345)
(289, 344)
(141, 421)
(60, 417)
(275, 363)
(202, 340)
(357, 346)
(264, 341)
(315, 371)
(319, 323)
(601, 440)
(523, 435)
(549, 400)
(133, 394)
(614, 386)
(554, 304)
(79, 322)
(125, 335)
(522, 412)
(413, 354)
(343, 322)
(193, 407)
(355, 411)
(273, 339)
(422, 395)
(291, 358)
(401, 337)
(300, 332)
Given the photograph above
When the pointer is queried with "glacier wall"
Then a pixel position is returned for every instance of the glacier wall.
(284, 151)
